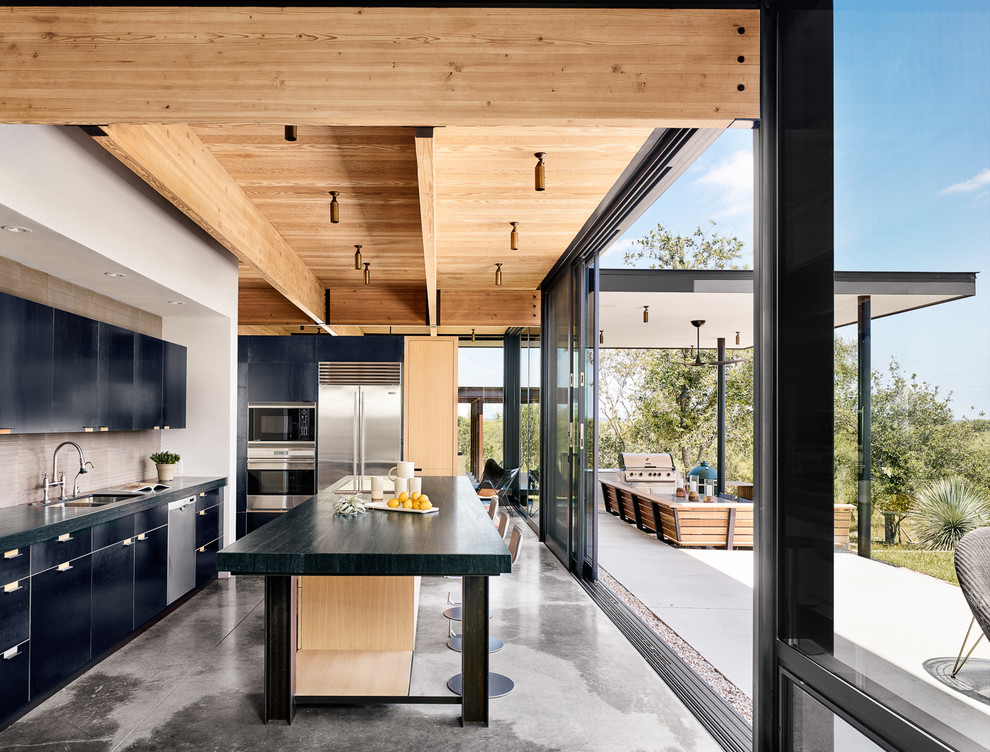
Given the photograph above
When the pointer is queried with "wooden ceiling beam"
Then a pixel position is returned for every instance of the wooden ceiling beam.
(480, 308)
(371, 305)
(444, 66)
(427, 170)
(173, 160)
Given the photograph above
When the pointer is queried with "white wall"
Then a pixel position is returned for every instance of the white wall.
(208, 444)
(61, 180)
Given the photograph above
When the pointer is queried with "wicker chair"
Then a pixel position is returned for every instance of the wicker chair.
(973, 571)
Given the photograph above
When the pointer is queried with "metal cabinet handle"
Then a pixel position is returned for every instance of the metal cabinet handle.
(104, 428)
(64, 567)
(12, 554)
(12, 653)
(6, 430)
(129, 542)
(12, 587)
(142, 536)
(65, 538)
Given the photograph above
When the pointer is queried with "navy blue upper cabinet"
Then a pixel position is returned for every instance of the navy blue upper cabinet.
(115, 399)
(26, 365)
(174, 386)
(283, 382)
(148, 362)
(76, 359)
(371, 349)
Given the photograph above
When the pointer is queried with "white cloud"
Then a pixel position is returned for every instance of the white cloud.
(980, 180)
(612, 257)
(729, 185)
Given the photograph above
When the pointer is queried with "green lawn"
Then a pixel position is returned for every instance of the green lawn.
(938, 564)
(935, 563)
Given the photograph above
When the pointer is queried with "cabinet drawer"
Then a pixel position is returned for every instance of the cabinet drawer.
(15, 598)
(149, 519)
(54, 551)
(207, 525)
(15, 563)
(208, 499)
(13, 679)
(112, 532)
(206, 562)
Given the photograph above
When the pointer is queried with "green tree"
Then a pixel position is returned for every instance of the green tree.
(665, 250)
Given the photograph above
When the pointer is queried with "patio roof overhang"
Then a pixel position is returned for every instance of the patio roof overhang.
(723, 298)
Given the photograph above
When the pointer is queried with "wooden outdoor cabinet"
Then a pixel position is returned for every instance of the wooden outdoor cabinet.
(430, 404)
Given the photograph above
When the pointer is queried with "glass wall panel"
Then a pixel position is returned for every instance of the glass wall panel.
(479, 408)
(529, 423)
(879, 604)
(556, 465)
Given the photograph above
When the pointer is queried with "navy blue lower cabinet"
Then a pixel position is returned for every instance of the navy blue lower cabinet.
(112, 612)
(14, 671)
(254, 520)
(206, 562)
(150, 574)
(60, 622)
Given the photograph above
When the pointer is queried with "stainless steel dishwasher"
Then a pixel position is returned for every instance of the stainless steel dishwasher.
(181, 547)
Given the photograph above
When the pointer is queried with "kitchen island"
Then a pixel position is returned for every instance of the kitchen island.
(311, 541)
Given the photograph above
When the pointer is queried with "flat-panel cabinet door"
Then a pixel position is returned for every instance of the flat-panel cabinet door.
(150, 574)
(174, 396)
(14, 680)
(26, 365)
(76, 369)
(148, 356)
(283, 382)
(112, 611)
(60, 623)
(115, 398)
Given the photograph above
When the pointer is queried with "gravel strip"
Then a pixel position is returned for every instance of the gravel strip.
(712, 676)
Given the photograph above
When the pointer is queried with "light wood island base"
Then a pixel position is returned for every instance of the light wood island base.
(353, 673)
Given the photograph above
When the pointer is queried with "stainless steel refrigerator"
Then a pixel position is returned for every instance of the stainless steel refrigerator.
(359, 422)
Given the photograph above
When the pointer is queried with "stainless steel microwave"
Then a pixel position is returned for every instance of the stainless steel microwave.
(283, 422)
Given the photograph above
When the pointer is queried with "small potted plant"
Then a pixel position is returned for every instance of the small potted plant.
(165, 462)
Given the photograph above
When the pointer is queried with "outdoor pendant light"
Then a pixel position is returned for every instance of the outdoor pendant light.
(498, 275)
(514, 237)
(357, 258)
(601, 336)
(737, 338)
(541, 171)
(472, 335)
(335, 209)
(291, 133)
(646, 314)
(367, 273)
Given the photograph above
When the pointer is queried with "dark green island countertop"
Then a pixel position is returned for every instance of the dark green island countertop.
(25, 524)
(312, 539)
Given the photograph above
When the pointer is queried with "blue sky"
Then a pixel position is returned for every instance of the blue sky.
(912, 178)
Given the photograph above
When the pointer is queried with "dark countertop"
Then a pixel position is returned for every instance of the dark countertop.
(23, 525)
(311, 539)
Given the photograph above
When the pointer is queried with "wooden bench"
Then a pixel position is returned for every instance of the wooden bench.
(725, 524)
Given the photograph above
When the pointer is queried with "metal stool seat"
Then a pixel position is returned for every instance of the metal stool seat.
(499, 685)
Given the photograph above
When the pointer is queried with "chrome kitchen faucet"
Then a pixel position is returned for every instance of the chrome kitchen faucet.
(61, 476)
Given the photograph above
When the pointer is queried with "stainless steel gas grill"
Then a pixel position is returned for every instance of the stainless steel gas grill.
(654, 472)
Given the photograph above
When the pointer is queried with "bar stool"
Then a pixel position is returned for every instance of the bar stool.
(503, 523)
(499, 685)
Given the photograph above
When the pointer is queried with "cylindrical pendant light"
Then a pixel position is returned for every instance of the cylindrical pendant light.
(601, 336)
(472, 335)
(357, 257)
(541, 171)
(498, 275)
(367, 273)
(646, 314)
(737, 338)
(335, 209)
(291, 134)
(514, 236)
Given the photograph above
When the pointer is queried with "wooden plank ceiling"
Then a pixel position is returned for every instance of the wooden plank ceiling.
(195, 100)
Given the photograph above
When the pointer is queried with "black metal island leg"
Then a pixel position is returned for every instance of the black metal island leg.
(474, 650)
(280, 647)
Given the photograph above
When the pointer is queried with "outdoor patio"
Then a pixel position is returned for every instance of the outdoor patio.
(898, 627)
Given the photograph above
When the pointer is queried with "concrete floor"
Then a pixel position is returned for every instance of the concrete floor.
(895, 626)
(194, 681)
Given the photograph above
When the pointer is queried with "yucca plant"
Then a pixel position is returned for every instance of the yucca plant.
(945, 510)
